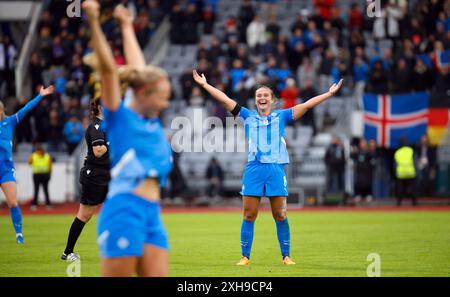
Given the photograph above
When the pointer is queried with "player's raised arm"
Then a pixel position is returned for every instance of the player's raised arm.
(106, 65)
(32, 103)
(300, 109)
(133, 52)
(220, 96)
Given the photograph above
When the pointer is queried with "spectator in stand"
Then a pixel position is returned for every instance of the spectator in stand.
(245, 16)
(296, 56)
(273, 29)
(401, 79)
(378, 79)
(289, 94)
(335, 162)
(215, 50)
(8, 55)
(55, 131)
(426, 167)
(325, 70)
(208, 18)
(256, 33)
(155, 13)
(142, 28)
(23, 131)
(186, 83)
(422, 79)
(306, 72)
(177, 20)
(237, 74)
(363, 172)
(73, 132)
(269, 9)
(307, 92)
(355, 18)
(190, 25)
(196, 98)
(36, 69)
(214, 174)
(324, 8)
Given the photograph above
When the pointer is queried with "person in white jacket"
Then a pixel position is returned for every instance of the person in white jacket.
(256, 32)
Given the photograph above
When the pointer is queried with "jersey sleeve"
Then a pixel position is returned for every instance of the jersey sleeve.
(244, 113)
(287, 115)
(96, 135)
(114, 119)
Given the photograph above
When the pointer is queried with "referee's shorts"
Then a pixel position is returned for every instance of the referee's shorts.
(94, 185)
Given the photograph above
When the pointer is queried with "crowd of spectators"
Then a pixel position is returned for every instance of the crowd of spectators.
(408, 48)
(57, 59)
(373, 170)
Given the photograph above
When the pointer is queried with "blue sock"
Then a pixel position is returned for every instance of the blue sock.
(247, 237)
(16, 218)
(284, 237)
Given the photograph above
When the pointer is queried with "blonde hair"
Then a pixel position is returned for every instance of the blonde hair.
(129, 76)
(136, 77)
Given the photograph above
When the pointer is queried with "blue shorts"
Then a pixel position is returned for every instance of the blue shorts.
(126, 223)
(264, 179)
(7, 172)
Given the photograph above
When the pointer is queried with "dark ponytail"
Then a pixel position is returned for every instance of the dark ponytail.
(95, 107)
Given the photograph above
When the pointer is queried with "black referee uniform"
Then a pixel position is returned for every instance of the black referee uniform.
(94, 176)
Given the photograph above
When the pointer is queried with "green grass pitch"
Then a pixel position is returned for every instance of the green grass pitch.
(207, 244)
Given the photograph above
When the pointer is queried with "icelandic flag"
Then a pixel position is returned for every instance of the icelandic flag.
(389, 117)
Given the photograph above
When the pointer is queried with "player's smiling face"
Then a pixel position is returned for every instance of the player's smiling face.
(264, 100)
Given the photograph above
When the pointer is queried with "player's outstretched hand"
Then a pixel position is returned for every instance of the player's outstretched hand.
(335, 87)
(201, 80)
(46, 91)
(123, 15)
(92, 9)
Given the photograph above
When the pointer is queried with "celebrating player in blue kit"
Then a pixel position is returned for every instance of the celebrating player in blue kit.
(132, 238)
(7, 177)
(264, 175)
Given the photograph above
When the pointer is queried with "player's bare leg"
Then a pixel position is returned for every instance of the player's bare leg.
(154, 262)
(119, 267)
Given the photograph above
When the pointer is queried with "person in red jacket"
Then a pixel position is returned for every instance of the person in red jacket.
(289, 94)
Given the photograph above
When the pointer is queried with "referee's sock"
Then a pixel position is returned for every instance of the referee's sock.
(247, 229)
(284, 237)
(74, 233)
(16, 218)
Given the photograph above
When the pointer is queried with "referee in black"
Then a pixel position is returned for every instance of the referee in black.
(94, 178)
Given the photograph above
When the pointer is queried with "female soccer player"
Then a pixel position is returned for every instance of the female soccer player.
(94, 178)
(132, 238)
(7, 177)
(264, 174)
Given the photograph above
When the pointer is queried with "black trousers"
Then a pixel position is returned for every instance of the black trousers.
(41, 179)
(406, 188)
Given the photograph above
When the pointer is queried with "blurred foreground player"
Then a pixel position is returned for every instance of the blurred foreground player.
(94, 178)
(7, 177)
(264, 174)
(131, 235)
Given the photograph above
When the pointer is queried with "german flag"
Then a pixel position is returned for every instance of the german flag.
(437, 124)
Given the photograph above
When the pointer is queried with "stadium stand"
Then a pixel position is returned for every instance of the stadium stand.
(241, 43)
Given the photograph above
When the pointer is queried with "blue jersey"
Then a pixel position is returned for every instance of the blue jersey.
(7, 125)
(138, 149)
(265, 135)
